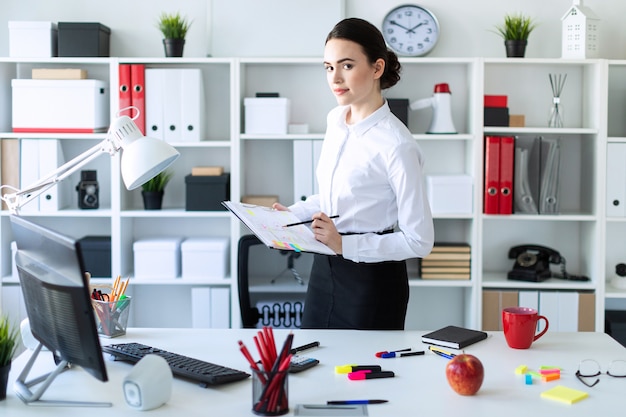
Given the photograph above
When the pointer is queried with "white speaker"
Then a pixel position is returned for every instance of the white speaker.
(149, 384)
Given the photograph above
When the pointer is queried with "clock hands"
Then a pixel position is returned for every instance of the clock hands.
(411, 30)
(393, 22)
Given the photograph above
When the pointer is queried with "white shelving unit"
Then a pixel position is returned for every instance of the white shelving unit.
(263, 164)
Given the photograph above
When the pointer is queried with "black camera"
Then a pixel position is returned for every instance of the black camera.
(88, 190)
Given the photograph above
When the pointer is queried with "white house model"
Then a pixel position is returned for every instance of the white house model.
(580, 32)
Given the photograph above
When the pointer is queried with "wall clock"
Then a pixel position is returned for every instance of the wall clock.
(410, 30)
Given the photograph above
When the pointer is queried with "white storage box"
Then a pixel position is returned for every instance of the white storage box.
(450, 194)
(60, 106)
(157, 258)
(266, 115)
(205, 257)
(32, 39)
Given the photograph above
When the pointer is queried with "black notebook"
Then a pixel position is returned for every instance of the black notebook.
(454, 337)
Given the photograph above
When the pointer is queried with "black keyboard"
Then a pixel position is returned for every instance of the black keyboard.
(182, 366)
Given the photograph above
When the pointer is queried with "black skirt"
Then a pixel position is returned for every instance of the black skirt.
(343, 294)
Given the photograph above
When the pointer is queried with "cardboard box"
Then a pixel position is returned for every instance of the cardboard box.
(450, 194)
(83, 39)
(260, 200)
(266, 115)
(32, 39)
(517, 120)
(157, 258)
(205, 257)
(96, 255)
(60, 106)
(206, 192)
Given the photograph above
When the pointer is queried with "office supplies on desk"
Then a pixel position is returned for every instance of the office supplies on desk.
(268, 225)
(346, 369)
(305, 347)
(441, 353)
(301, 363)
(205, 373)
(361, 375)
(319, 410)
(454, 337)
(380, 354)
(269, 381)
(401, 355)
(349, 402)
(564, 394)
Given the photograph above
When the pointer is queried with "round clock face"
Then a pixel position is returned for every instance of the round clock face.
(410, 30)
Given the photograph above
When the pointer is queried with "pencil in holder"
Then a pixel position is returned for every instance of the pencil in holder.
(270, 392)
(112, 316)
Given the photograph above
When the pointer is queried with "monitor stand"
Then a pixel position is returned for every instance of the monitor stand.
(22, 387)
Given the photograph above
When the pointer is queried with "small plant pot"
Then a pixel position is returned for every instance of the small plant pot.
(174, 47)
(515, 48)
(4, 380)
(152, 200)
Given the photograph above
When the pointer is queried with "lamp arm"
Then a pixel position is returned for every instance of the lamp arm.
(19, 198)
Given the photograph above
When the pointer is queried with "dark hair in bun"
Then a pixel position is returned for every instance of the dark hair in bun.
(373, 44)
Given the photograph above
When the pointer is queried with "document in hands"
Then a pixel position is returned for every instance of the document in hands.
(269, 226)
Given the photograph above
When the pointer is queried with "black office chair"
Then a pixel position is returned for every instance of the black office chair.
(284, 314)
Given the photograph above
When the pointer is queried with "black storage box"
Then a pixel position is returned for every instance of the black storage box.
(496, 116)
(96, 254)
(83, 39)
(206, 192)
(400, 108)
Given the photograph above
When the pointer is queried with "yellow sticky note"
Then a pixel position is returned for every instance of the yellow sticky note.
(521, 370)
(564, 394)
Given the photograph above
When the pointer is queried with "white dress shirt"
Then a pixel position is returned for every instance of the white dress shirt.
(370, 174)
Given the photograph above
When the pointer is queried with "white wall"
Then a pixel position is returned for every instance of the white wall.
(283, 31)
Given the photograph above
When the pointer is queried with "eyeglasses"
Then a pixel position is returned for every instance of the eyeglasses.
(590, 368)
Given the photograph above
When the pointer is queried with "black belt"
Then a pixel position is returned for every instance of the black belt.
(384, 232)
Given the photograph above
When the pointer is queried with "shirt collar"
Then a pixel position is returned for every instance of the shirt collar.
(370, 121)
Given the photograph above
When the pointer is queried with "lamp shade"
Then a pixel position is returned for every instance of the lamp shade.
(142, 157)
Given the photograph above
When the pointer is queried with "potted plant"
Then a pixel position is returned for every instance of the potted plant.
(152, 191)
(174, 28)
(515, 31)
(8, 344)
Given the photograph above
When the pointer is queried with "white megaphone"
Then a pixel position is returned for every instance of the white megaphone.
(442, 116)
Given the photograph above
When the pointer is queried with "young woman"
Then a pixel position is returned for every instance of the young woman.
(370, 175)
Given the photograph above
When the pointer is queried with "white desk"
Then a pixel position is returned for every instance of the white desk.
(419, 388)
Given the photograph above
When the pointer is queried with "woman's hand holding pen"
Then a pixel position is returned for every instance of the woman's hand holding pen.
(323, 228)
(326, 232)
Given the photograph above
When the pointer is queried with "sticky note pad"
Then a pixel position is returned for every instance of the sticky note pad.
(550, 377)
(528, 379)
(521, 370)
(564, 394)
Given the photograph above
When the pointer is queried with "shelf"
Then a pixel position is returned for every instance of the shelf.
(496, 280)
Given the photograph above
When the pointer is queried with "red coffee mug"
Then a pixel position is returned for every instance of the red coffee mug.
(520, 325)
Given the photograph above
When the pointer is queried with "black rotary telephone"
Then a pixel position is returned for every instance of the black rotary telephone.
(532, 263)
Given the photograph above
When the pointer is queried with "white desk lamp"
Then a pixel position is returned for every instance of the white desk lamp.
(143, 158)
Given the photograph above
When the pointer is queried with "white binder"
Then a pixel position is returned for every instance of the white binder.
(616, 179)
(201, 307)
(192, 105)
(154, 102)
(220, 307)
(29, 170)
(171, 105)
(50, 158)
(306, 154)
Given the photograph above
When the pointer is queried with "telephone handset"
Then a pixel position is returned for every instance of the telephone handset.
(532, 263)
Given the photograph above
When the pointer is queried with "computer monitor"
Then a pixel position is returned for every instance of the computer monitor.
(58, 305)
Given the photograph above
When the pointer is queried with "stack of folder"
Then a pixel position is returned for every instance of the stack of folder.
(521, 175)
(447, 261)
